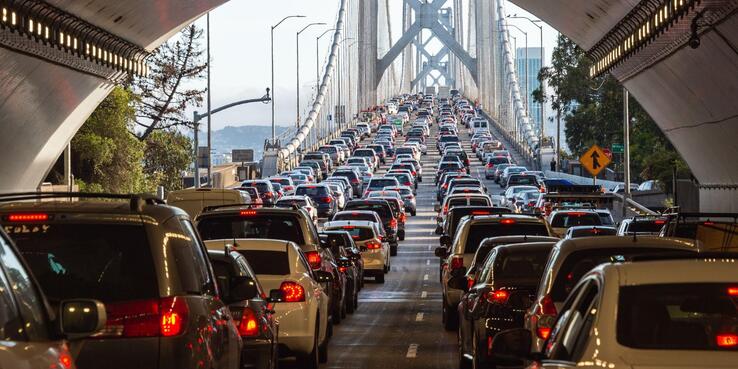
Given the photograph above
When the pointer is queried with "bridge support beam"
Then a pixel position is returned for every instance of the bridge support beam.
(368, 76)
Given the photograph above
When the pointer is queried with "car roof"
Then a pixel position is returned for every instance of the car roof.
(266, 244)
(158, 211)
(696, 270)
(494, 218)
(604, 242)
(292, 197)
(519, 239)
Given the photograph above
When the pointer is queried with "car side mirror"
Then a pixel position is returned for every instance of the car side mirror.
(512, 344)
(323, 276)
(276, 295)
(242, 288)
(81, 318)
(445, 240)
(441, 252)
(439, 230)
(459, 283)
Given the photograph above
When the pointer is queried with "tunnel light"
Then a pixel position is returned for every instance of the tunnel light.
(640, 28)
(5, 15)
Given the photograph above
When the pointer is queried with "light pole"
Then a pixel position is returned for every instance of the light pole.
(297, 39)
(543, 104)
(272, 52)
(210, 148)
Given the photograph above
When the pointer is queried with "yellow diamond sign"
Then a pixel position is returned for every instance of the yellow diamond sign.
(594, 160)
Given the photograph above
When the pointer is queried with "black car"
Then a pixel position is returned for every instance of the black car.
(144, 261)
(321, 196)
(384, 210)
(251, 310)
(497, 298)
(266, 190)
(346, 256)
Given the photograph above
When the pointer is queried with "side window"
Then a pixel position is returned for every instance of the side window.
(11, 324)
(486, 268)
(194, 252)
(571, 331)
(29, 300)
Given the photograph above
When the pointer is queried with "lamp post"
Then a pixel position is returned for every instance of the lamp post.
(272, 52)
(543, 104)
(297, 39)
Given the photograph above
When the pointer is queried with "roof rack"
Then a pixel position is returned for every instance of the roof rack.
(137, 201)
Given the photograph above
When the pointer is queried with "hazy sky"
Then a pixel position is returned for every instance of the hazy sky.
(240, 53)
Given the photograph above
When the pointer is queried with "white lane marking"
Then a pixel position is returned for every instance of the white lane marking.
(427, 261)
(423, 294)
(425, 277)
(419, 317)
(412, 351)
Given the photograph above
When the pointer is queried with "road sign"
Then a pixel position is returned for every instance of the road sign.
(242, 155)
(594, 160)
(618, 148)
(203, 157)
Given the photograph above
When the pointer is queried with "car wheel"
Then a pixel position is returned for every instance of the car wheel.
(379, 278)
(452, 319)
(393, 250)
(323, 352)
(311, 360)
(463, 362)
(414, 212)
(337, 316)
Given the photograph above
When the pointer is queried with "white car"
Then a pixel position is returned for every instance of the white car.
(644, 314)
(282, 268)
(301, 201)
(375, 251)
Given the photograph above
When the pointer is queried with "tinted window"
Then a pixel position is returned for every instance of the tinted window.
(478, 232)
(262, 187)
(449, 139)
(275, 226)
(684, 316)
(107, 262)
(267, 262)
(312, 191)
(645, 226)
(566, 220)
(355, 216)
(191, 261)
(521, 264)
(357, 233)
(287, 204)
(382, 183)
(447, 166)
(470, 202)
(383, 210)
(11, 324)
(523, 180)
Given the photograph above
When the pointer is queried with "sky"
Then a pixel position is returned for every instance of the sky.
(240, 53)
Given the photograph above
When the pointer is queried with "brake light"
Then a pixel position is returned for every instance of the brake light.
(543, 332)
(457, 262)
(659, 221)
(393, 223)
(408, 184)
(342, 269)
(164, 317)
(733, 291)
(707, 223)
(269, 195)
(348, 227)
(403, 218)
(499, 297)
(354, 181)
(490, 165)
(480, 213)
(413, 172)
(28, 217)
(507, 221)
(445, 186)
(547, 306)
(727, 340)
(293, 292)
(326, 200)
(445, 209)
(576, 214)
(247, 213)
(314, 259)
(373, 245)
(470, 282)
(248, 327)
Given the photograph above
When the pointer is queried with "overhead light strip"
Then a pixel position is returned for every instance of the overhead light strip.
(54, 28)
(648, 20)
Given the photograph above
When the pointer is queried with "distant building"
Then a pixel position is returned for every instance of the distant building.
(223, 158)
(534, 66)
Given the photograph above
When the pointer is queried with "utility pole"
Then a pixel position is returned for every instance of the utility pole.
(297, 39)
(626, 149)
(210, 148)
(272, 54)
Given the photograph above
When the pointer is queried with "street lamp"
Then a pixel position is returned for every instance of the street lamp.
(543, 104)
(272, 43)
(297, 38)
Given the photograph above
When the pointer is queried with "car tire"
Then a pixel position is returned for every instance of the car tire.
(414, 212)
(393, 250)
(379, 278)
(323, 353)
(451, 321)
(311, 360)
(337, 316)
(401, 235)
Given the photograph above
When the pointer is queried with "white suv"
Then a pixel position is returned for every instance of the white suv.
(375, 251)
(282, 268)
(655, 314)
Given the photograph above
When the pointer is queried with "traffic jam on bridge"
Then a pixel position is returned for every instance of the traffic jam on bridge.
(335, 261)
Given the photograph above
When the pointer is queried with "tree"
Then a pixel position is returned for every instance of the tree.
(106, 157)
(167, 154)
(164, 94)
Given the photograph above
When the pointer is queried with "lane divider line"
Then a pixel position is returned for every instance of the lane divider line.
(412, 351)
(425, 277)
(423, 295)
(419, 317)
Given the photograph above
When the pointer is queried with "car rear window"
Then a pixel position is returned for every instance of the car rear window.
(449, 138)
(312, 191)
(446, 166)
(592, 232)
(267, 262)
(468, 202)
(357, 233)
(382, 183)
(355, 216)
(570, 219)
(287, 204)
(523, 180)
(383, 210)
(480, 231)
(580, 262)
(107, 262)
(684, 316)
(260, 186)
(651, 226)
(264, 225)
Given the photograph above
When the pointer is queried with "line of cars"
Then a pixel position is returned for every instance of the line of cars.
(606, 295)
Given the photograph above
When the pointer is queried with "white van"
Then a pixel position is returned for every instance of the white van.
(479, 125)
(193, 200)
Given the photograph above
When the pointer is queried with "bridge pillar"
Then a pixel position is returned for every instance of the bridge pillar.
(368, 16)
(486, 50)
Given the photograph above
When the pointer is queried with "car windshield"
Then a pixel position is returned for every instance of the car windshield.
(471, 201)
(267, 262)
(275, 226)
(480, 231)
(683, 316)
(107, 262)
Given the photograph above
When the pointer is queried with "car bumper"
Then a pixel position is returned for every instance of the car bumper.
(256, 353)
(373, 261)
(296, 326)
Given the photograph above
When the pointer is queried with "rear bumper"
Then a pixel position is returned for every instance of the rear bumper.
(373, 261)
(296, 327)
(256, 353)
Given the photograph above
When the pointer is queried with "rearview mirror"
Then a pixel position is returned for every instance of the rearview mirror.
(323, 276)
(81, 318)
(441, 252)
(242, 288)
(276, 295)
(512, 344)
(459, 283)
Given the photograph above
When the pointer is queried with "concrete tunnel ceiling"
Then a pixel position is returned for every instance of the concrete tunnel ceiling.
(42, 104)
(690, 93)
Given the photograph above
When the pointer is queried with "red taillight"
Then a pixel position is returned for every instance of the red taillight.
(480, 213)
(354, 181)
(547, 306)
(65, 360)
(293, 292)
(490, 165)
(342, 269)
(146, 318)
(576, 214)
(470, 282)
(28, 217)
(403, 218)
(373, 245)
(247, 213)
(507, 221)
(659, 221)
(414, 173)
(326, 200)
(733, 291)
(445, 209)
(727, 340)
(393, 223)
(248, 327)
(543, 332)
(314, 259)
(408, 184)
(269, 195)
(457, 262)
(499, 297)
(348, 227)
(445, 186)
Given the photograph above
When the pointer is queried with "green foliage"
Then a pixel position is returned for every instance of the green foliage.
(593, 110)
(106, 156)
(167, 154)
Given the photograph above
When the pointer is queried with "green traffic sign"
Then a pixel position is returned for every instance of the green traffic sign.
(617, 148)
